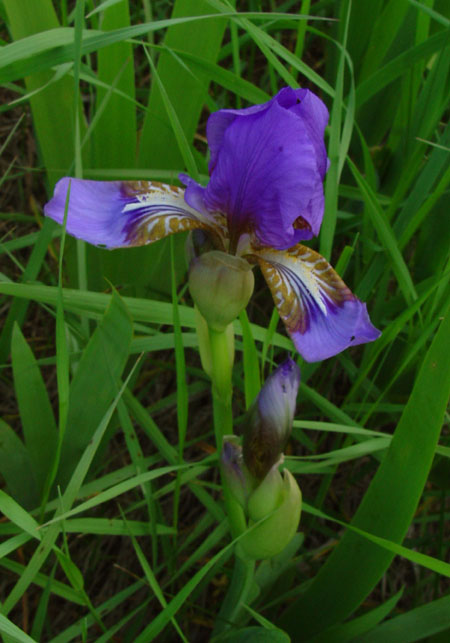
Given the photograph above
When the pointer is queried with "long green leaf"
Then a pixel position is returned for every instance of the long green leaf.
(95, 383)
(38, 422)
(388, 505)
(415, 625)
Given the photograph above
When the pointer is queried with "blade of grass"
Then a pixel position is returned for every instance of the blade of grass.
(415, 625)
(38, 422)
(336, 152)
(386, 236)
(252, 380)
(389, 504)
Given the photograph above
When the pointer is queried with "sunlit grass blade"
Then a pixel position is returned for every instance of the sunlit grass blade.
(201, 38)
(140, 309)
(396, 67)
(13, 632)
(50, 121)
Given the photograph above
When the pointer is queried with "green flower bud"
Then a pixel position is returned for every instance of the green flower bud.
(273, 534)
(221, 286)
(267, 496)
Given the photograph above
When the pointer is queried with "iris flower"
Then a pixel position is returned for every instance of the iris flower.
(264, 196)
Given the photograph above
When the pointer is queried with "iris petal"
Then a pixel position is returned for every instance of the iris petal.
(117, 214)
(267, 167)
(321, 314)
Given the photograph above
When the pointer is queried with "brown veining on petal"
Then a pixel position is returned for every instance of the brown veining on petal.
(156, 227)
(289, 305)
(302, 283)
(320, 270)
(142, 188)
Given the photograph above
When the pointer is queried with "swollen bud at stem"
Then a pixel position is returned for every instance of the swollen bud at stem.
(221, 286)
(269, 420)
(273, 534)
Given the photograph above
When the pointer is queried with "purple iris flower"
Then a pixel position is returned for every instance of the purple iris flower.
(265, 195)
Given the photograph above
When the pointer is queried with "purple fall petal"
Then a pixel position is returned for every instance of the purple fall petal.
(321, 314)
(344, 326)
(94, 212)
(118, 214)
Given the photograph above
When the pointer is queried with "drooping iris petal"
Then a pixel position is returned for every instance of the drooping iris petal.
(321, 314)
(117, 214)
(267, 168)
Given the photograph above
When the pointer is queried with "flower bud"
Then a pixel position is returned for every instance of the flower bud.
(267, 496)
(221, 286)
(273, 534)
(270, 419)
(233, 469)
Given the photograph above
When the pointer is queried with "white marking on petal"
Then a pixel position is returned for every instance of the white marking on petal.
(302, 283)
(156, 210)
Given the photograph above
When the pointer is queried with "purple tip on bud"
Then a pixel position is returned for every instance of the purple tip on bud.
(270, 419)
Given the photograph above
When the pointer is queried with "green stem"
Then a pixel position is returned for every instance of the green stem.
(221, 363)
(237, 594)
(222, 352)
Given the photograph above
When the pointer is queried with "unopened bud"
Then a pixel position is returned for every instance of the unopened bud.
(273, 534)
(233, 469)
(267, 496)
(221, 286)
(269, 420)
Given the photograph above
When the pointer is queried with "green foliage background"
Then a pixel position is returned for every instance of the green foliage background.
(121, 89)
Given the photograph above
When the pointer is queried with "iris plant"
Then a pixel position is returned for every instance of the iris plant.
(264, 196)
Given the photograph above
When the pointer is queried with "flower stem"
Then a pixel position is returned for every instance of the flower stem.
(237, 594)
(222, 353)
(221, 363)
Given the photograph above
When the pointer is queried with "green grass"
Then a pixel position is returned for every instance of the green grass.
(114, 523)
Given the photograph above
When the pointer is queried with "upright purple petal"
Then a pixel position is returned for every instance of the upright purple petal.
(118, 214)
(219, 121)
(321, 314)
(314, 116)
(264, 177)
(267, 167)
